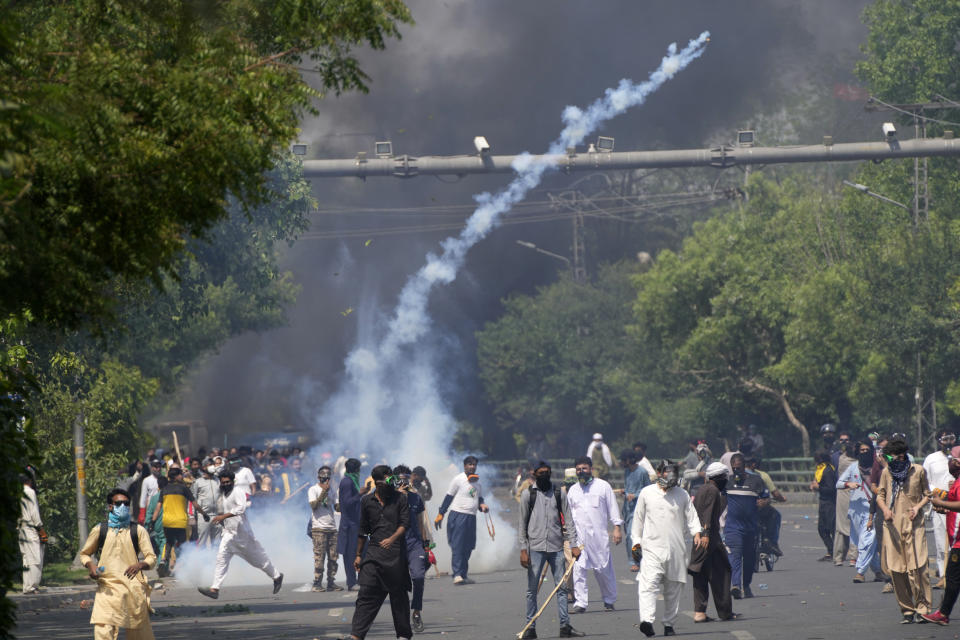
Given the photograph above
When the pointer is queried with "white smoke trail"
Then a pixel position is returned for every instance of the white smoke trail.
(391, 404)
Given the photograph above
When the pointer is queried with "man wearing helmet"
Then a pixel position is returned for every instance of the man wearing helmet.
(663, 522)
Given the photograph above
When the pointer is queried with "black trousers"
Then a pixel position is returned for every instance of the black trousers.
(369, 601)
(714, 576)
(827, 523)
(952, 578)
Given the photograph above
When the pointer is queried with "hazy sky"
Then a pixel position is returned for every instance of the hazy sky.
(505, 70)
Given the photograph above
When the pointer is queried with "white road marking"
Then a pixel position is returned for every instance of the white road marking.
(742, 635)
(336, 613)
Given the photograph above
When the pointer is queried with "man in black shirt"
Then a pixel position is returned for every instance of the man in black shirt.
(385, 518)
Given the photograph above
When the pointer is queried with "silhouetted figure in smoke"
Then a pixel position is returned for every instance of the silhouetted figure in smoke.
(464, 497)
(416, 543)
(383, 571)
(351, 492)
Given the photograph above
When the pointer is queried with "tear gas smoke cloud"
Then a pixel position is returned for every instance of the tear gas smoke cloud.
(391, 404)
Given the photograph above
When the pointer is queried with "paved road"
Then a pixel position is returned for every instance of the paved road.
(802, 599)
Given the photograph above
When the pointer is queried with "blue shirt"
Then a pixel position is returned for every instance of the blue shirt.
(415, 505)
(633, 482)
(859, 497)
(742, 502)
(349, 504)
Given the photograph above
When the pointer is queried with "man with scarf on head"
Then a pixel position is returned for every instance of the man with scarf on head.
(709, 565)
(350, 494)
(663, 523)
(464, 497)
(635, 478)
(545, 524)
(938, 475)
(950, 505)
(856, 479)
(383, 571)
(901, 496)
(740, 532)
(237, 538)
(593, 505)
(123, 592)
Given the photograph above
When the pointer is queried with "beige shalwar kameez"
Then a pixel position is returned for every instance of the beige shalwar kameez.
(904, 551)
(121, 602)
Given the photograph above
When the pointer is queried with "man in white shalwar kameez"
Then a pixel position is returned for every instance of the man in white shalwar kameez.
(663, 522)
(593, 506)
(237, 538)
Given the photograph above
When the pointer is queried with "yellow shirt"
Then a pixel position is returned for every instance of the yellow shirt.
(175, 497)
(120, 601)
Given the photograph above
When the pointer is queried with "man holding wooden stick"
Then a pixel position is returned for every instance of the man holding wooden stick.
(545, 523)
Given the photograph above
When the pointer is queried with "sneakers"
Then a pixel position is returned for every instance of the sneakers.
(887, 588)
(578, 609)
(417, 625)
(647, 629)
(332, 586)
(936, 617)
(747, 593)
(736, 592)
(467, 581)
(907, 618)
(210, 593)
(566, 631)
(859, 579)
(458, 580)
(317, 588)
(608, 606)
(277, 583)
(528, 634)
(668, 630)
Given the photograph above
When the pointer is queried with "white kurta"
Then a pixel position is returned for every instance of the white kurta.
(238, 539)
(594, 507)
(663, 524)
(29, 538)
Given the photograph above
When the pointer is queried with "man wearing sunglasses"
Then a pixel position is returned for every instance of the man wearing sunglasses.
(121, 600)
(937, 466)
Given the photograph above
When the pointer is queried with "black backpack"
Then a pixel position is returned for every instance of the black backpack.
(533, 500)
(133, 538)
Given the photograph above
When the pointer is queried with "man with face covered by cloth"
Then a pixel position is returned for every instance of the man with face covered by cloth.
(123, 593)
(901, 496)
(237, 538)
(464, 497)
(383, 571)
(593, 506)
(663, 522)
(709, 565)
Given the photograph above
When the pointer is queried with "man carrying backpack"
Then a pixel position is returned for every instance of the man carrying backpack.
(545, 523)
(122, 594)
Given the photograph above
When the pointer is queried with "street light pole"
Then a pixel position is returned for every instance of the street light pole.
(865, 189)
(557, 256)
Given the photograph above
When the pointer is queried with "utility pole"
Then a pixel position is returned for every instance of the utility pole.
(79, 454)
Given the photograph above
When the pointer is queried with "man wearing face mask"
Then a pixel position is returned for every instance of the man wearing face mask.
(237, 538)
(635, 478)
(383, 571)
(544, 524)
(828, 433)
(855, 478)
(206, 492)
(951, 505)
(593, 505)
(122, 600)
(901, 496)
(464, 497)
(416, 544)
(740, 532)
(663, 522)
(938, 475)
(710, 566)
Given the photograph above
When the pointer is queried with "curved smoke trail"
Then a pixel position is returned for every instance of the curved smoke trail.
(391, 402)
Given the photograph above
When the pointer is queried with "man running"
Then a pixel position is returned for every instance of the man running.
(237, 538)
(415, 544)
(464, 497)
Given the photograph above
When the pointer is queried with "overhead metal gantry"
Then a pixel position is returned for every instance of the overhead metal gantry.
(720, 157)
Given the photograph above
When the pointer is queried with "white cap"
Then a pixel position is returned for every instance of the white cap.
(598, 436)
(715, 469)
